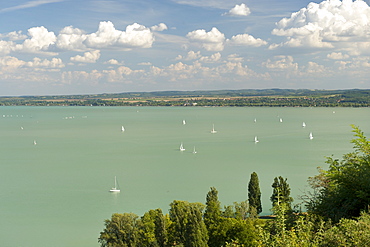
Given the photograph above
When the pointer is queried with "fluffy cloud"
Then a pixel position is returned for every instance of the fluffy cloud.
(88, 57)
(14, 36)
(40, 40)
(113, 62)
(281, 63)
(211, 41)
(135, 35)
(239, 10)
(45, 63)
(329, 24)
(211, 59)
(71, 39)
(337, 56)
(190, 56)
(160, 27)
(246, 40)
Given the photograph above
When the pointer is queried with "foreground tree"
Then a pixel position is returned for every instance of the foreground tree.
(281, 193)
(344, 190)
(120, 230)
(254, 195)
(187, 227)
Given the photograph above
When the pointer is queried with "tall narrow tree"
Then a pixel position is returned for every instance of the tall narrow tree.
(212, 219)
(281, 193)
(254, 195)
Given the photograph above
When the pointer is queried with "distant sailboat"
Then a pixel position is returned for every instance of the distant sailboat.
(122, 129)
(303, 124)
(183, 122)
(256, 139)
(194, 152)
(34, 142)
(281, 120)
(115, 188)
(213, 131)
(182, 147)
(311, 136)
(255, 120)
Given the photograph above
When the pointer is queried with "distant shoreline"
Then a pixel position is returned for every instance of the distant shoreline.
(219, 98)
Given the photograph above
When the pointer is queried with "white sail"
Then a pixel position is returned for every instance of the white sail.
(256, 139)
(183, 122)
(182, 147)
(122, 128)
(115, 188)
(311, 136)
(213, 131)
(281, 120)
(255, 120)
(194, 151)
(34, 142)
(303, 124)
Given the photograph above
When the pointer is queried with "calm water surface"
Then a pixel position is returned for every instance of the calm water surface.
(55, 193)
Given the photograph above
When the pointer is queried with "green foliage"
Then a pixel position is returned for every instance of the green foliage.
(281, 193)
(254, 195)
(344, 190)
(187, 226)
(349, 233)
(120, 231)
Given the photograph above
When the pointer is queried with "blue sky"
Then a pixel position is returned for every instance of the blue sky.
(53, 47)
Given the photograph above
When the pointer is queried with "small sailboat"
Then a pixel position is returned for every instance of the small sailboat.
(122, 129)
(256, 139)
(183, 122)
(303, 124)
(182, 147)
(280, 120)
(194, 151)
(255, 120)
(213, 131)
(311, 136)
(34, 142)
(115, 188)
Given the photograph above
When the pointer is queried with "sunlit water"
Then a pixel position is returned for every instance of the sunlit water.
(56, 193)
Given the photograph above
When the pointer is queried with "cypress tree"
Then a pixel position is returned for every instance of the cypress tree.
(281, 193)
(254, 194)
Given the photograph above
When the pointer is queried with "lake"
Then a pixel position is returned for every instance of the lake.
(59, 163)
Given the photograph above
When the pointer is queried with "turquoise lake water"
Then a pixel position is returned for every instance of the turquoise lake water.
(56, 193)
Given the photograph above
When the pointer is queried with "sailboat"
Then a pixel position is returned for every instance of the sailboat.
(194, 152)
(303, 124)
(182, 147)
(311, 136)
(115, 188)
(213, 131)
(122, 129)
(183, 122)
(34, 142)
(255, 120)
(281, 120)
(256, 139)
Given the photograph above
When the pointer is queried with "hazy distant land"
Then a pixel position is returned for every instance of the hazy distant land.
(244, 97)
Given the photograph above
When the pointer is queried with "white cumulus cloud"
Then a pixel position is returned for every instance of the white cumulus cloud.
(246, 40)
(160, 27)
(329, 24)
(88, 57)
(239, 10)
(211, 41)
(135, 35)
(337, 56)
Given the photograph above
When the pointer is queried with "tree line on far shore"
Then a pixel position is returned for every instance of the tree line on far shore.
(337, 213)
